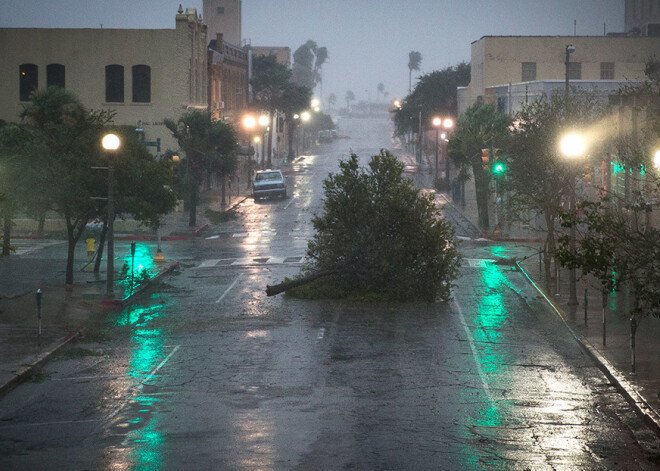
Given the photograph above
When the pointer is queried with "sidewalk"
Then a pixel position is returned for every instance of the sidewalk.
(69, 312)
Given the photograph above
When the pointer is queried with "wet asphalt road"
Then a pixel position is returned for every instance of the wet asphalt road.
(209, 373)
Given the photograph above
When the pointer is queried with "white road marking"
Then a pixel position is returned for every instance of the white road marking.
(288, 204)
(208, 263)
(482, 376)
(162, 363)
(213, 237)
(142, 383)
(240, 234)
(321, 333)
(43, 424)
(228, 290)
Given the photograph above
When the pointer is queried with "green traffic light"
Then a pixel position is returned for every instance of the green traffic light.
(499, 168)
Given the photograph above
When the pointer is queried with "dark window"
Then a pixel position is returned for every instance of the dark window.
(607, 70)
(55, 75)
(141, 84)
(28, 79)
(114, 83)
(221, 10)
(528, 71)
(575, 70)
(653, 30)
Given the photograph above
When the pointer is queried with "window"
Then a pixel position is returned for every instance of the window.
(28, 80)
(55, 75)
(607, 70)
(528, 71)
(114, 83)
(575, 70)
(141, 84)
(221, 10)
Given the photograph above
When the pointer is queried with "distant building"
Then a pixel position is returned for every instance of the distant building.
(282, 54)
(643, 17)
(498, 61)
(224, 17)
(143, 75)
(228, 80)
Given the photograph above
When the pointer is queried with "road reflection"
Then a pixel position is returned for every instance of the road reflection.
(136, 422)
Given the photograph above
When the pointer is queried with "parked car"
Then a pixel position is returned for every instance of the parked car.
(268, 183)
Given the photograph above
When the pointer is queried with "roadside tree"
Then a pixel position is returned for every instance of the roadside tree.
(539, 180)
(209, 146)
(63, 145)
(378, 238)
(414, 63)
(294, 100)
(480, 127)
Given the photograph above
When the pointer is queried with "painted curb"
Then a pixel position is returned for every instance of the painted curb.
(642, 408)
(23, 372)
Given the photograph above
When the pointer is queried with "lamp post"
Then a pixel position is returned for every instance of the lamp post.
(110, 143)
(304, 116)
(447, 124)
(569, 50)
(249, 123)
(264, 123)
(437, 122)
(572, 146)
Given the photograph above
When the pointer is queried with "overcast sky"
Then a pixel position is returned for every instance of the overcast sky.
(368, 40)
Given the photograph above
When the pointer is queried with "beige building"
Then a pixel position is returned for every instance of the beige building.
(142, 75)
(224, 17)
(228, 80)
(502, 60)
(282, 54)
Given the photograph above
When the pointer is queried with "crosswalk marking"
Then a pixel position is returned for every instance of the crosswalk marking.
(478, 262)
(251, 261)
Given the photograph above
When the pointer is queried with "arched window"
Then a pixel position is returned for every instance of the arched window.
(114, 83)
(141, 84)
(28, 79)
(55, 75)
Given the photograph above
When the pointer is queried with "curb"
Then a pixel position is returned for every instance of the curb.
(649, 415)
(23, 372)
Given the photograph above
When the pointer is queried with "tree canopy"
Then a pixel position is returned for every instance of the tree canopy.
(378, 236)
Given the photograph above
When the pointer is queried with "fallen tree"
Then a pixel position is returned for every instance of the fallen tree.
(377, 236)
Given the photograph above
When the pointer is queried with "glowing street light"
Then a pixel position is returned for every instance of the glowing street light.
(572, 146)
(110, 143)
(656, 160)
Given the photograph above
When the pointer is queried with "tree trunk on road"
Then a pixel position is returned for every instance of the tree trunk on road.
(287, 285)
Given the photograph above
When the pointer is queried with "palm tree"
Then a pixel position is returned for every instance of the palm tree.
(350, 96)
(332, 100)
(414, 62)
(381, 88)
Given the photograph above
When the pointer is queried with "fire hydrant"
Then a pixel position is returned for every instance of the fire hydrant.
(90, 248)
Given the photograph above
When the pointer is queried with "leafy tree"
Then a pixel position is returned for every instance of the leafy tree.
(414, 63)
(294, 100)
(63, 144)
(539, 179)
(208, 145)
(380, 88)
(350, 96)
(378, 236)
(308, 60)
(480, 127)
(271, 80)
(434, 95)
(332, 100)
(619, 244)
(12, 178)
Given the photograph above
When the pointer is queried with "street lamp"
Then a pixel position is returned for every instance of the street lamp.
(573, 146)
(437, 122)
(447, 124)
(249, 123)
(264, 122)
(304, 117)
(656, 159)
(110, 143)
(569, 50)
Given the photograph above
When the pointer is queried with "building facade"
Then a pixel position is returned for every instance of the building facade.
(282, 54)
(502, 60)
(224, 17)
(643, 17)
(143, 76)
(228, 80)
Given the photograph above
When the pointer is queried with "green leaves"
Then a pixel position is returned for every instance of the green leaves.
(378, 229)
